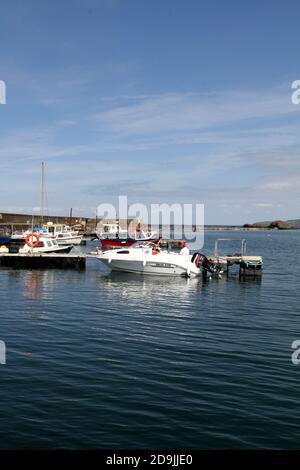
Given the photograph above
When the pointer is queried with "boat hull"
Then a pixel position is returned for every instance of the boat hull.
(69, 241)
(4, 240)
(139, 262)
(57, 250)
(63, 249)
(153, 269)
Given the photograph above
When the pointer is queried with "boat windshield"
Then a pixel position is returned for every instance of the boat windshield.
(143, 244)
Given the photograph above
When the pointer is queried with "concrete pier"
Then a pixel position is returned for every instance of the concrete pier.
(43, 261)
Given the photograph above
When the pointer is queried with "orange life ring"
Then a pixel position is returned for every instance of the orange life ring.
(29, 243)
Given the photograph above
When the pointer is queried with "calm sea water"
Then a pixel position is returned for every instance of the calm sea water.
(97, 360)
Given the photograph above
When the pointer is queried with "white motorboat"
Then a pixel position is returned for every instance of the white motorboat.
(63, 234)
(149, 259)
(110, 230)
(19, 235)
(44, 245)
(112, 235)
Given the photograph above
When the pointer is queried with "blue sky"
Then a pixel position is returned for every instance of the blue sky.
(163, 101)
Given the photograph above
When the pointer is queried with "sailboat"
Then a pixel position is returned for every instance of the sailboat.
(62, 234)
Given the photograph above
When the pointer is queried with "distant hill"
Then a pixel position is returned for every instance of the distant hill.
(295, 223)
(281, 224)
(262, 224)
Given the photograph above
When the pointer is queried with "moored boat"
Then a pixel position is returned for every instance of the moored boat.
(4, 240)
(112, 235)
(147, 258)
(63, 234)
(110, 243)
(34, 244)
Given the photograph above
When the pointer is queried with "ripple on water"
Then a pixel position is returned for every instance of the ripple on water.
(97, 360)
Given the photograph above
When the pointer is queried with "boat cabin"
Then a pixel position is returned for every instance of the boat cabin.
(45, 244)
(56, 229)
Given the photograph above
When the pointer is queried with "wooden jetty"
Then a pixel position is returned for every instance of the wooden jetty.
(249, 265)
(43, 261)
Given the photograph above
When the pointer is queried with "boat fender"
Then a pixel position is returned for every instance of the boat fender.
(109, 261)
(144, 262)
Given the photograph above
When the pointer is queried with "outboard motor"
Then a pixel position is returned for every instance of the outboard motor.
(201, 260)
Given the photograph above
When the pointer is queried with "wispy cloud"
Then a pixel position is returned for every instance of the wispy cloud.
(98, 3)
(232, 149)
(190, 111)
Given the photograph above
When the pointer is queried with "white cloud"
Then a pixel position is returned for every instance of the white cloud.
(263, 205)
(277, 185)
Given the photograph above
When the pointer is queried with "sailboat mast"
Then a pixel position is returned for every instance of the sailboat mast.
(42, 191)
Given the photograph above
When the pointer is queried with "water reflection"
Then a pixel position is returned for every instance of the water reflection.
(38, 285)
(146, 292)
(170, 296)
